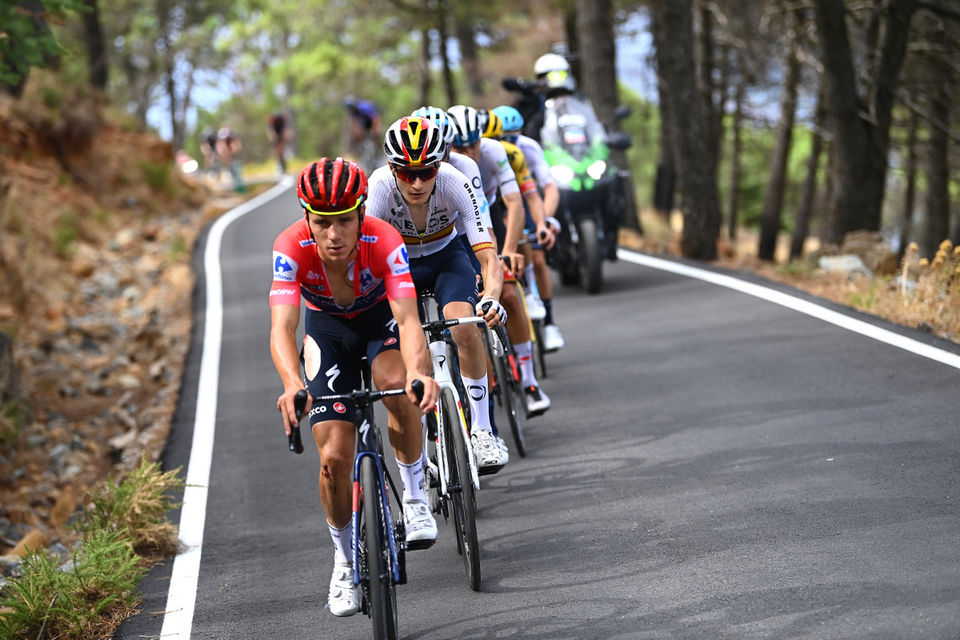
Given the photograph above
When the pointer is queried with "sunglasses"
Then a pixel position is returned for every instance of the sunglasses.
(320, 212)
(412, 175)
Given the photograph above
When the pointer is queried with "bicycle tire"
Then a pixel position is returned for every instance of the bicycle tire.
(515, 402)
(381, 588)
(539, 361)
(462, 495)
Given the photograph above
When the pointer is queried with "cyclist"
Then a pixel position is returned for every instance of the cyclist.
(279, 135)
(430, 202)
(361, 136)
(499, 175)
(469, 168)
(533, 153)
(352, 272)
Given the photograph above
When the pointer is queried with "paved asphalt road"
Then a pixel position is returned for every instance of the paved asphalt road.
(714, 466)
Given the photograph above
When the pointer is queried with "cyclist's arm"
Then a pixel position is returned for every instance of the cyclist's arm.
(286, 358)
(514, 222)
(413, 350)
(535, 202)
(551, 199)
(492, 270)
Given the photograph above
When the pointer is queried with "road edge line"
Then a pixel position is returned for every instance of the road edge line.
(182, 592)
(797, 304)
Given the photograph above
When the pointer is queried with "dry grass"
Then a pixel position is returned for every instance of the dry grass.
(924, 294)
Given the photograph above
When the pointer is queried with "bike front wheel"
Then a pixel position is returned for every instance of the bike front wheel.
(460, 486)
(379, 560)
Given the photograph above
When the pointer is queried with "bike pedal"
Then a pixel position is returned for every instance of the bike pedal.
(417, 545)
(489, 470)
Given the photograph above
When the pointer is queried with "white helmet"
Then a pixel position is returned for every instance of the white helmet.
(550, 62)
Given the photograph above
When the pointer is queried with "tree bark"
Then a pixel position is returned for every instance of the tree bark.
(665, 185)
(937, 228)
(468, 50)
(448, 81)
(861, 129)
(696, 168)
(773, 200)
(733, 197)
(909, 197)
(802, 225)
(425, 62)
(96, 48)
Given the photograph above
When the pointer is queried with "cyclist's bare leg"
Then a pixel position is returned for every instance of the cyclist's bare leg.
(468, 339)
(406, 436)
(518, 327)
(542, 274)
(334, 440)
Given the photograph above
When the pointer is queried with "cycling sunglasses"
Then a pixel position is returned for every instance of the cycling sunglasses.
(321, 212)
(412, 175)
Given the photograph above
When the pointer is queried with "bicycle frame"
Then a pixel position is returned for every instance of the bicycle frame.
(441, 353)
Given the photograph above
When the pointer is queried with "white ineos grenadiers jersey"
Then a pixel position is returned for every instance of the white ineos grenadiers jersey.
(466, 166)
(536, 162)
(495, 170)
(453, 207)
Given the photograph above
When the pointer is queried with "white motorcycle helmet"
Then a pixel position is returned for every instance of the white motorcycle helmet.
(554, 71)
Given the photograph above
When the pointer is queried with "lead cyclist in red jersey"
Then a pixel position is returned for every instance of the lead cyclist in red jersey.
(353, 274)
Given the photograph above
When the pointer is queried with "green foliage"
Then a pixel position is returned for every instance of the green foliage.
(157, 175)
(65, 232)
(137, 506)
(26, 40)
(77, 601)
(12, 416)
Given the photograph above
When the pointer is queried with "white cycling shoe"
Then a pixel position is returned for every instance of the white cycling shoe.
(486, 450)
(420, 526)
(552, 338)
(503, 448)
(535, 307)
(343, 599)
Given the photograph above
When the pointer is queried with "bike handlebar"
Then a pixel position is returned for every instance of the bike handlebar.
(362, 396)
(440, 325)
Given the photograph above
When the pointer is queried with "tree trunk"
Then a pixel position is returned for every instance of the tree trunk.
(665, 185)
(468, 48)
(96, 48)
(425, 63)
(733, 197)
(909, 197)
(861, 140)
(598, 65)
(448, 81)
(706, 63)
(573, 41)
(802, 225)
(696, 168)
(773, 201)
(938, 175)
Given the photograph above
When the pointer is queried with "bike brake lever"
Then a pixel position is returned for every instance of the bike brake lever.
(299, 404)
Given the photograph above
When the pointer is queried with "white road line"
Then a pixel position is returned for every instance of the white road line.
(797, 304)
(182, 594)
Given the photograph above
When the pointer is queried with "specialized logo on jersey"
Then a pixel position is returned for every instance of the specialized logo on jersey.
(391, 325)
(284, 267)
(399, 261)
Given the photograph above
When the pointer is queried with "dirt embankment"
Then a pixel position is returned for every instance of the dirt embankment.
(96, 232)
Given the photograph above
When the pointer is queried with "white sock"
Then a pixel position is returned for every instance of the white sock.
(531, 280)
(411, 475)
(528, 377)
(479, 407)
(343, 542)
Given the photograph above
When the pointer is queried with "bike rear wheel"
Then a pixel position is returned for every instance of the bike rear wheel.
(460, 486)
(540, 363)
(379, 562)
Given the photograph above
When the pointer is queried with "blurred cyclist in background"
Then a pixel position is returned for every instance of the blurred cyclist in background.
(362, 135)
(278, 133)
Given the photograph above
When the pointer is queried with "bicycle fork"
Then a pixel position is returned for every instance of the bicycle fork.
(442, 374)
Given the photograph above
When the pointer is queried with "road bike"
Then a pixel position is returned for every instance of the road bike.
(452, 474)
(379, 546)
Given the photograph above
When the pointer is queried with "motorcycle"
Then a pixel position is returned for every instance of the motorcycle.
(592, 197)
